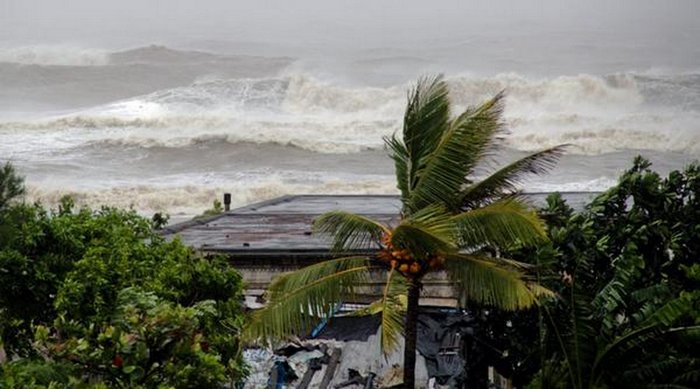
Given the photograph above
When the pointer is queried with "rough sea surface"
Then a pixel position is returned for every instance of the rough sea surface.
(171, 127)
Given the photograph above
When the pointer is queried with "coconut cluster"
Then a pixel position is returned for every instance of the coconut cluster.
(404, 261)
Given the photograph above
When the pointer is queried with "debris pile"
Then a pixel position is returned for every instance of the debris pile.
(346, 354)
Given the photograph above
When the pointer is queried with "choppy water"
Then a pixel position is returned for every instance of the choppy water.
(171, 129)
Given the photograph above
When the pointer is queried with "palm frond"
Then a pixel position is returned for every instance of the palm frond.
(436, 218)
(299, 300)
(402, 164)
(624, 347)
(670, 312)
(502, 223)
(613, 297)
(483, 280)
(616, 349)
(505, 180)
(661, 290)
(442, 174)
(392, 307)
(349, 231)
(691, 375)
(429, 231)
(672, 371)
(610, 301)
(426, 118)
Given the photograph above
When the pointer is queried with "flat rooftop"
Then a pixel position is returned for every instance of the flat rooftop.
(282, 227)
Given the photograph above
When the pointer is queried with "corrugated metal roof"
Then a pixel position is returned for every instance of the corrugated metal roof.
(282, 226)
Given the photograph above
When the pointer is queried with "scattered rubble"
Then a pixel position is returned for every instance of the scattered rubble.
(346, 354)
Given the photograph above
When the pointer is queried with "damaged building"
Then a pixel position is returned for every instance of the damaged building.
(272, 237)
(346, 353)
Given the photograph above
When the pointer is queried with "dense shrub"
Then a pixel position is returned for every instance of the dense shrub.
(11, 185)
(627, 273)
(97, 296)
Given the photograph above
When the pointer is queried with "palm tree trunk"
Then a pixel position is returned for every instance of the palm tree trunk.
(409, 355)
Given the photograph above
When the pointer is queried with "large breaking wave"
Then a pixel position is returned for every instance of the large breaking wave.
(162, 129)
(596, 114)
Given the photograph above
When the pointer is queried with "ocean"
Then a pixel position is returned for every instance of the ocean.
(170, 128)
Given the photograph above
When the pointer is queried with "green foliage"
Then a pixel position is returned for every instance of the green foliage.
(506, 179)
(42, 374)
(216, 209)
(498, 223)
(75, 284)
(391, 306)
(160, 220)
(147, 342)
(11, 185)
(298, 300)
(485, 281)
(349, 231)
(627, 272)
(439, 172)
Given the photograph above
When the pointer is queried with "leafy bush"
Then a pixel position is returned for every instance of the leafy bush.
(147, 342)
(11, 185)
(628, 280)
(40, 374)
(103, 294)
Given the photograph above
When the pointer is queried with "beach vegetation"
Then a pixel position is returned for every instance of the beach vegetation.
(627, 275)
(11, 185)
(98, 297)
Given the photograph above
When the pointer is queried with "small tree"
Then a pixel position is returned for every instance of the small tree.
(11, 185)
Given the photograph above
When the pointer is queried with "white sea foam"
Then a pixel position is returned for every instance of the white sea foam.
(594, 114)
(595, 185)
(189, 200)
(54, 55)
(185, 201)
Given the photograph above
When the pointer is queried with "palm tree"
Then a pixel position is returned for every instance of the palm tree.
(448, 222)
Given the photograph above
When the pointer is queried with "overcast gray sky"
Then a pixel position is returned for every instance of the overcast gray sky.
(319, 22)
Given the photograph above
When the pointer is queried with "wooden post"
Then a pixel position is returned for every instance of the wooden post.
(227, 202)
(330, 369)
